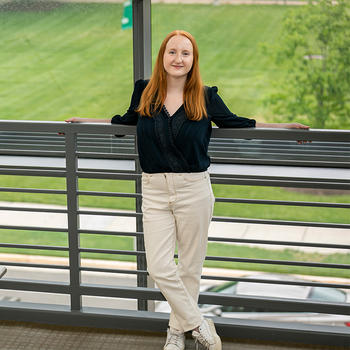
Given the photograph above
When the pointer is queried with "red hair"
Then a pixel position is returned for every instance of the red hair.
(153, 97)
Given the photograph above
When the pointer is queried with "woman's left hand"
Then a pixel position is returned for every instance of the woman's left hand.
(297, 126)
(294, 126)
(285, 126)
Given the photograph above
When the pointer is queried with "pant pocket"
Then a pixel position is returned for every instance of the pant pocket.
(146, 178)
(191, 177)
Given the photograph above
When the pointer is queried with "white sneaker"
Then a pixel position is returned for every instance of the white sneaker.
(207, 336)
(175, 340)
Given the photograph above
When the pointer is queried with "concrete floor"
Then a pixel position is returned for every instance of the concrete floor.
(30, 336)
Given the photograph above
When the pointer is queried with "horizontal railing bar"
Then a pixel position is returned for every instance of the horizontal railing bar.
(276, 144)
(30, 136)
(111, 251)
(340, 155)
(105, 140)
(280, 222)
(95, 136)
(278, 262)
(286, 157)
(283, 134)
(106, 144)
(266, 144)
(282, 282)
(277, 162)
(30, 143)
(280, 202)
(107, 175)
(111, 233)
(118, 172)
(46, 173)
(32, 228)
(268, 141)
(119, 271)
(109, 194)
(274, 177)
(41, 266)
(87, 155)
(281, 243)
(31, 190)
(292, 305)
(32, 246)
(31, 153)
(39, 210)
(108, 213)
(129, 150)
(330, 135)
(31, 167)
(113, 155)
(290, 153)
(35, 286)
(62, 127)
(281, 183)
(284, 149)
(109, 171)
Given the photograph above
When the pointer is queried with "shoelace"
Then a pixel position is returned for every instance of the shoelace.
(174, 339)
(201, 340)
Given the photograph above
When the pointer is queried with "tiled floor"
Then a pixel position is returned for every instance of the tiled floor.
(28, 336)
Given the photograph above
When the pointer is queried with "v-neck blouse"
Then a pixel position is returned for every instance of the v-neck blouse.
(175, 143)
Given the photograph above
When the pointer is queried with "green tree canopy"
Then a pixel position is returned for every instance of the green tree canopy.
(314, 51)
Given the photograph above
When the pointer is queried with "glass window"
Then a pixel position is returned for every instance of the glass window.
(63, 59)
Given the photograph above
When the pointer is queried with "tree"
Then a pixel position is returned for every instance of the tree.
(314, 52)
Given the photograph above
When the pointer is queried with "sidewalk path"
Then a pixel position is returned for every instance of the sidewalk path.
(217, 229)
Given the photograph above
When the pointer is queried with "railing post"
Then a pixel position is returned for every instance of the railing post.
(141, 18)
(73, 219)
(142, 70)
(140, 244)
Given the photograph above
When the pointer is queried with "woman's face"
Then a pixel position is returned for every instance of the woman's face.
(178, 56)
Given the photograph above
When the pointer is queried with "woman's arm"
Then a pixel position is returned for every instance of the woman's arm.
(87, 120)
(282, 125)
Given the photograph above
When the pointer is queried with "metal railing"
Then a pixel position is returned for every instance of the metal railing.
(276, 164)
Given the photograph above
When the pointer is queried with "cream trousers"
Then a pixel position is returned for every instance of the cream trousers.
(177, 208)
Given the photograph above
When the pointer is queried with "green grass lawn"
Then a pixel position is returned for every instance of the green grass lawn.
(76, 61)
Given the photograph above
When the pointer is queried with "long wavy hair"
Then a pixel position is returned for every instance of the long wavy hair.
(153, 96)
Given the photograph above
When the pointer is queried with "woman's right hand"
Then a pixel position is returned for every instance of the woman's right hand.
(75, 120)
(72, 120)
(85, 120)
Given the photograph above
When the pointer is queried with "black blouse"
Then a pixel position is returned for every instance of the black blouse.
(174, 143)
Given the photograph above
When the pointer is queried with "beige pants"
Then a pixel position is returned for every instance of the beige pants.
(177, 208)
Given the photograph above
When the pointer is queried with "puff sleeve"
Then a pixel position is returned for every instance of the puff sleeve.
(221, 115)
(131, 117)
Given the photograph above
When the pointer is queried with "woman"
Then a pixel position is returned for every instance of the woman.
(173, 113)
